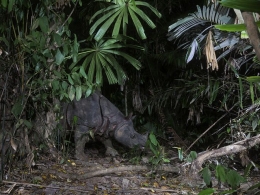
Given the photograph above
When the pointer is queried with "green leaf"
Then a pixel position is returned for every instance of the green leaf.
(254, 124)
(17, 108)
(82, 72)
(105, 61)
(206, 174)
(64, 85)
(144, 17)
(253, 79)
(35, 24)
(233, 27)
(4, 3)
(130, 59)
(154, 149)
(55, 85)
(193, 155)
(180, 154)
(56, 73)
(75, 49)
(102, 11)
(78, 93)
(154, 10)
(98, 70)
(28, 124)
(59, 57)
(153, 139)
(234, 179)
(71, 93)
(248, 5)
(44, 24)
(208, 191)
(57, 39)
(70, 80)
(166, 160)
(117, 24)
(104, 17)
(220, 173)
(88, 92)
(10, 5)
(103, 29)
(91, 70)
(225, 192)
(138, 25)
(76, 78)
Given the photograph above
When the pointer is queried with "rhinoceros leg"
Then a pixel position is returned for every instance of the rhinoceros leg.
(110, 151)
(80, 141)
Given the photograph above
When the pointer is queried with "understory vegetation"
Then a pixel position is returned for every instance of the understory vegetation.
(190, 74)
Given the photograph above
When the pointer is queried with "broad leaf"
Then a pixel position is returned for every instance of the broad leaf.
(220, 173)
(206, 174)
(44, 25)
(234, 27)
(248, 5)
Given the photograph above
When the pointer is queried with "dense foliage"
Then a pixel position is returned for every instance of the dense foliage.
(173, 62)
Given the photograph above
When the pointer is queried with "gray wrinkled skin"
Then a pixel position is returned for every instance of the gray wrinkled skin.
(98, 114)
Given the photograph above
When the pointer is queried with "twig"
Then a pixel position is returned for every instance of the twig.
(8, 191)
(43, 186)
(159, 190)
(210, 127)
(70, 14)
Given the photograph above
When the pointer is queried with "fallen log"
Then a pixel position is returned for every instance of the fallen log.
(236, 147)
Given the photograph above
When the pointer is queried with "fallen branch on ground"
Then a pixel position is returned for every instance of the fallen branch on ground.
(226, 150)
(166, 168)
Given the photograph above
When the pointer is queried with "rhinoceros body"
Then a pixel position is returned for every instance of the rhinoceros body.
(98, 115)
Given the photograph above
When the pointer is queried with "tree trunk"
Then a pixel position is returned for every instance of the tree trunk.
(252, 31)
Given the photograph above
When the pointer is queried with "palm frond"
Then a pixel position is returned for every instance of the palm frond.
(100, 58)
(216, 14)
(119, 14)
(191, 32)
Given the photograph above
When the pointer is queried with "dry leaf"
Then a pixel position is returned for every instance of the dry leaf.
(156, 185)
(13, 144)
(165, 188)
(210, 53)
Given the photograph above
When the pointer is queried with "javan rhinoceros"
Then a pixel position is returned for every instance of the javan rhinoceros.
(98, 115)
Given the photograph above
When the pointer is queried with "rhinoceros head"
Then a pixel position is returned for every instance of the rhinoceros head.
(126, 134)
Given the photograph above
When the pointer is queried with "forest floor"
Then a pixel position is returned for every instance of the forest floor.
(99, 175)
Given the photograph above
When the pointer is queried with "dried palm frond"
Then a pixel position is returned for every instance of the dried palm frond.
(210, 53)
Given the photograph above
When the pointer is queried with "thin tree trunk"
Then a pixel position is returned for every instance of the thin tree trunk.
(252, 31)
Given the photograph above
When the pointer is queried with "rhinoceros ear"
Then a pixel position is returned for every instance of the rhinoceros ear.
(130, 116)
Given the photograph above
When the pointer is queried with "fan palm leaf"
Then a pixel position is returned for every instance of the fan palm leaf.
(100, 58)
(119, 13)
(211, 14)
(197, 26)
